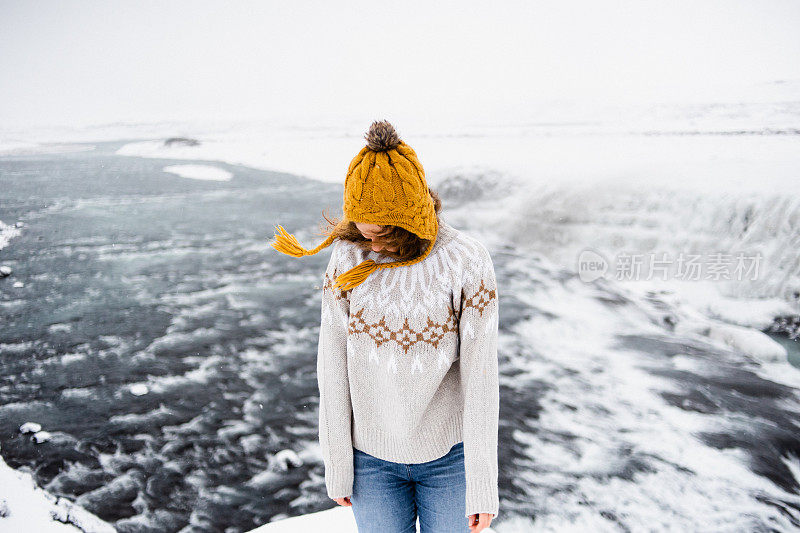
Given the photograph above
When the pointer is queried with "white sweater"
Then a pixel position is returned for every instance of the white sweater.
(407, 364)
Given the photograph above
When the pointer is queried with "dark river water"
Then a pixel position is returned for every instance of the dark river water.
(136, 276)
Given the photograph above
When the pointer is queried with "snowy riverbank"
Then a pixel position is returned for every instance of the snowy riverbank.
(25, 507)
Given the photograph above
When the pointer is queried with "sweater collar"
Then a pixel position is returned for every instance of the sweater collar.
(445, 233)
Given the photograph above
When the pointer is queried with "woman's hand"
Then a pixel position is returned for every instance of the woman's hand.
(343, 501)
(479, 522)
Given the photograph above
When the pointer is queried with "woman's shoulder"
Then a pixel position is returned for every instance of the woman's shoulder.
(346, 253)
(466, 245)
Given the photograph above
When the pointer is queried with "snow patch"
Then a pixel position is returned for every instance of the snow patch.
(30, 427)
(199, 172)
(340, 520)
(25, 507)
(42, 436)
(284, 458)
(749, 341)
(139, 389)
(8, 232)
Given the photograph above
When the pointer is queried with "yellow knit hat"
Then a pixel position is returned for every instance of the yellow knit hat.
(385, 185)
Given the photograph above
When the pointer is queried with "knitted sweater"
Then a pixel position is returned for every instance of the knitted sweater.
(407, 364)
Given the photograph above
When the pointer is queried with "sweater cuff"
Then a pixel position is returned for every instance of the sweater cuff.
(482, 497)
(339, 481)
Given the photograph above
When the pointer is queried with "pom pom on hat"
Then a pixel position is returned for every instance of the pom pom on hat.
(381, 136)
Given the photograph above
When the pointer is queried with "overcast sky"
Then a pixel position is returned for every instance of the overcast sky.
(81, 62)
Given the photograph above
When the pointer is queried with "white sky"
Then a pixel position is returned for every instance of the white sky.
(80, 62)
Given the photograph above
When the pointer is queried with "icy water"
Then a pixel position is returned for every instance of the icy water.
(170, 352)
(135, 276)
(792, 348)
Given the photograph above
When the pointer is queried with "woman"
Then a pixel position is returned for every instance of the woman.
(407, 359)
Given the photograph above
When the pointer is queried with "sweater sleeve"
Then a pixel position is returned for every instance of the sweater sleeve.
(335, 408)
(478, 330)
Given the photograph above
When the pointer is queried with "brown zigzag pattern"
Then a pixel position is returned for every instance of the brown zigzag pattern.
(481, 299)
(432, 333)
(406, 336)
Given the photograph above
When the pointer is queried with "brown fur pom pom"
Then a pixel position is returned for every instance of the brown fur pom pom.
(381, 136)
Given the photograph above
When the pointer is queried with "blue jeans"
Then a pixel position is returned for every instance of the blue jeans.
(387, 497)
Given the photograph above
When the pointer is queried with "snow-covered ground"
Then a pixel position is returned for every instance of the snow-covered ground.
(708, 151)
(26, 508)
(336, 520)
